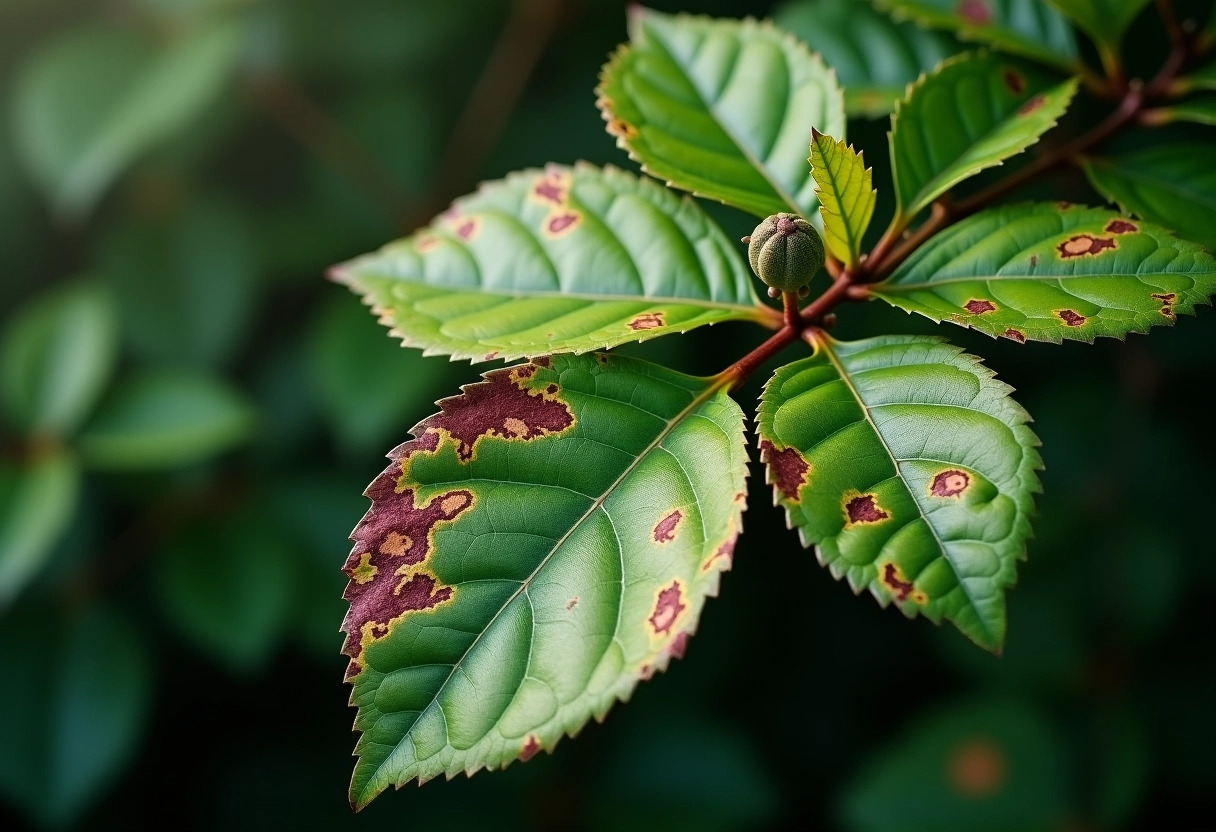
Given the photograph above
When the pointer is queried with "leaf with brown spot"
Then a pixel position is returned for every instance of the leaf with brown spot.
(514, 539)
(922, 474)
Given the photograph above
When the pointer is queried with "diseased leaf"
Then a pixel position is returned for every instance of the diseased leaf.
(721, 108)
(565, 259)
(1029, 28)
(1103, 20)
(36, 503)
(1173, 185)
(911, 471)
(56, 357)
(545, 541)
(972, 113)
(1046, 272)
(1195, 110)
(846, 195)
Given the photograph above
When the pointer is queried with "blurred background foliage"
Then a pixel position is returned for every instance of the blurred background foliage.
(189, 413)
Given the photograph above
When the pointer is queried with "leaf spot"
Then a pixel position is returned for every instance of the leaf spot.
(863, 509)
(1084, 244)
(975, 11)
(622, 129)
(665, 530)
(562, 222)
(1070, 318)
(467, 228)
(979, 307)
(1012, 78)
(1167, 300)
(1015, 335)
(787, 469)
(530, 748)
(1121, 227)
(649, 320)
(950, 483)
(572, 603)
(977, 768)
(425, 243)
(1032, 104)
(667, 609)
(901, 588)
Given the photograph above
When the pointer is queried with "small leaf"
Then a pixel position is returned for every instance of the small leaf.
(1103, 20)
(1046, 272)
(92, 101)
(874, 57)
(75, 690)
(721, 108)
(165, 419)
(55, 357)
(1029, 28)
(1203, 78)
(909, 468)
(846, 195)
(1196, 111)
(544, 543)
(36, 503)
(1173, 185)
(564, 259)
(972, 113)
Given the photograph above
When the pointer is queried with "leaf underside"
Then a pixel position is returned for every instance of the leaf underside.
(1046, 272)
(545, 541)
(560, 260)
(846, 195)
(721, 108)
(972, 113)
(909, 468)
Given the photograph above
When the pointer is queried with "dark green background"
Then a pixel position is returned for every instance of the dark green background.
(185, 623)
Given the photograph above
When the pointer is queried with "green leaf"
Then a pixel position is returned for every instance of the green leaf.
(1173, 185)
(874, 57)
(56, 355)
(228, 586)
(846, 195)
(1029, 28)
(165, 419)
(1196, 111)
(1203, 78)
(972, 113)
(721, 108)
(546, 541)
(909, 468)
(1103, 20)
(75, 690)
(1047, 272)
(36, 503)
(565, 259)
(90, 102)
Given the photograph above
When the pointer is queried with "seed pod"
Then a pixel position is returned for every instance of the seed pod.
(785, 251)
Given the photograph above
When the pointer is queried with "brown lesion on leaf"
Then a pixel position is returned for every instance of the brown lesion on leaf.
(1166, 299)
(976, 12)
(647, 320)
(667, 608)
(1014, 81)
(1084, 245)
(1032, 104)
(1034, 260)
(622, 129)
(665, 530)
(562, 222)
(950, 483)
(1121, 226)
(529, 749)
(898, 585)
(978, 306)
(1015, 335)
(863, 508)
(601, 358)
(787, 469)
(977, 768)
(572, 603)
(490, 356)
(1070, 317)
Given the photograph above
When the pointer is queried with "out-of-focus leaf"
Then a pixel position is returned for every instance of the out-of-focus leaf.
(564, 259)
(1195, 110)
(1203, 78)
(90, 102)
(36, 503)
(1024, 27)
(184, 282)
(228, 587)
(874, 57)
(165, 419)
(1103, 20)
(846, 195)
(910, 469)
(995, 766)
(1173, 185)
(1045, 272)
(543, 544)
(721, 108)
(368, 387)
(74, 691)
(972, 113)
(56, 355)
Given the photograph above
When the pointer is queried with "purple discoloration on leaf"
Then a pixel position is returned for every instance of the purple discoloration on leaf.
(562, 222)
(975, 11)
(950, 483)
(650, 320)
(1015, 335)
(1120, 227)
(530, 748)
(667, 609)
(1014, 81)
(1071, 318)
(665, 529)
(899, 587)
(787, 468)
(864, 509)
(979, 307)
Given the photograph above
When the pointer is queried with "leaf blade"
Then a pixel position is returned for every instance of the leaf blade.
(1103, 20)
(846, 195)
(854, 441)
(745, 119)
(37, 501)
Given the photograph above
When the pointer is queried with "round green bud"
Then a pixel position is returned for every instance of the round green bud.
(785, 251)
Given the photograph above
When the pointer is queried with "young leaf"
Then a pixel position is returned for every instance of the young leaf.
(846, 195)
(1029, 28)
(874, 57)
(545, 541)
(36, 504)
(1196, 111)
(56, 357)
(972, 113)
(721, 108)
(909, 468)
(1173, 185)
(1103, 20)
(1046, 272)
(564, 259)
